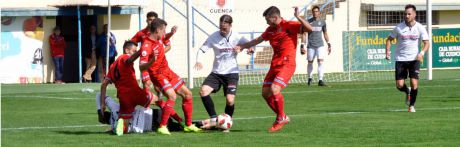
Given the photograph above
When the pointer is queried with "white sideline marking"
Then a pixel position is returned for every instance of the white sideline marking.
(33, 128)
(46, 97)
(243, 118)
(342, 89)
(257, 93)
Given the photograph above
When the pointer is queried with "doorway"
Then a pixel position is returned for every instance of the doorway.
(69, 29)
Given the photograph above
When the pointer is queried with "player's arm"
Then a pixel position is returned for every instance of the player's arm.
(304, 23)
(207, 45)
(391, 37)
(326, 37)
(133, 57)
(426, 45)
(145, 66)
(249, 44)
(199, 55)
(243, 40)
(104, 84)
(170, 34)
(303, 40)
(167, 48)
(388, 46)
(167, 44)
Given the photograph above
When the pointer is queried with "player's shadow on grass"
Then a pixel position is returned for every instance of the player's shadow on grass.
(82, 113)
(231, 131)
(79, 132)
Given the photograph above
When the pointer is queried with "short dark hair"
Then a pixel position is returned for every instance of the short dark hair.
(226, 18)
(127, 44)
(152, 14)
(314, 7)
(408, 6)
(56, 28)
(272, 10)
(157, 23)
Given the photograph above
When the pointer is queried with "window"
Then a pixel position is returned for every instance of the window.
(390, 18)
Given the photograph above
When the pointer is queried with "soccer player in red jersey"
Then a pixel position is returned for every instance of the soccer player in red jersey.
(145, 33)
(146, 82)
(122, 74)
(154, 61)
(282, 35)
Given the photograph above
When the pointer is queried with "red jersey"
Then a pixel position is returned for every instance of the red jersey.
(139, 37)
(283, 39)
(145, 33)
(57, 45)
(150, 49)
(123, 75)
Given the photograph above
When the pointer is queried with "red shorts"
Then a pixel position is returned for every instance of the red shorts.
(279, 75)
(166, 79)
(129, 101)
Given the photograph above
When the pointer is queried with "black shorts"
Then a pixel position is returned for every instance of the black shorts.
(228, 81)
(402, 68)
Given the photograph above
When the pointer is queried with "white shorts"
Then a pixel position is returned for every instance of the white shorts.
(319, 52)
(141, 121)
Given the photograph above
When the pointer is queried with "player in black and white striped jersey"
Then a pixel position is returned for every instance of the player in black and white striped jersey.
(225, 68)
(407, 55)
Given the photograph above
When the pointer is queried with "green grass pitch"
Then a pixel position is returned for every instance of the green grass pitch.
(370, 113)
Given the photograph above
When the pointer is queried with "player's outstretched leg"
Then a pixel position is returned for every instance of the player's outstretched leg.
(160, 103)
(167, 109)
(208, 104)
(187, 107)
(278, 100)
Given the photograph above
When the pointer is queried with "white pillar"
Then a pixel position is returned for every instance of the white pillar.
(109, 13)
(189, 44)
(430, 34)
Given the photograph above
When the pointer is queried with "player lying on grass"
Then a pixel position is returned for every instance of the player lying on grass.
(122, 74)
(143, 120)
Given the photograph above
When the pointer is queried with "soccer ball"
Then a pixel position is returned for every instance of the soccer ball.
(224, 121)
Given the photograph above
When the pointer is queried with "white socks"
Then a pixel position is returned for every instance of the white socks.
(320, 71)
(310, 70)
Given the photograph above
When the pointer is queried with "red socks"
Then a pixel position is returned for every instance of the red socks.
(271, 103)
(167, 111)
(279, 104)
(174, 115)
(276, 103)
(187, 107)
